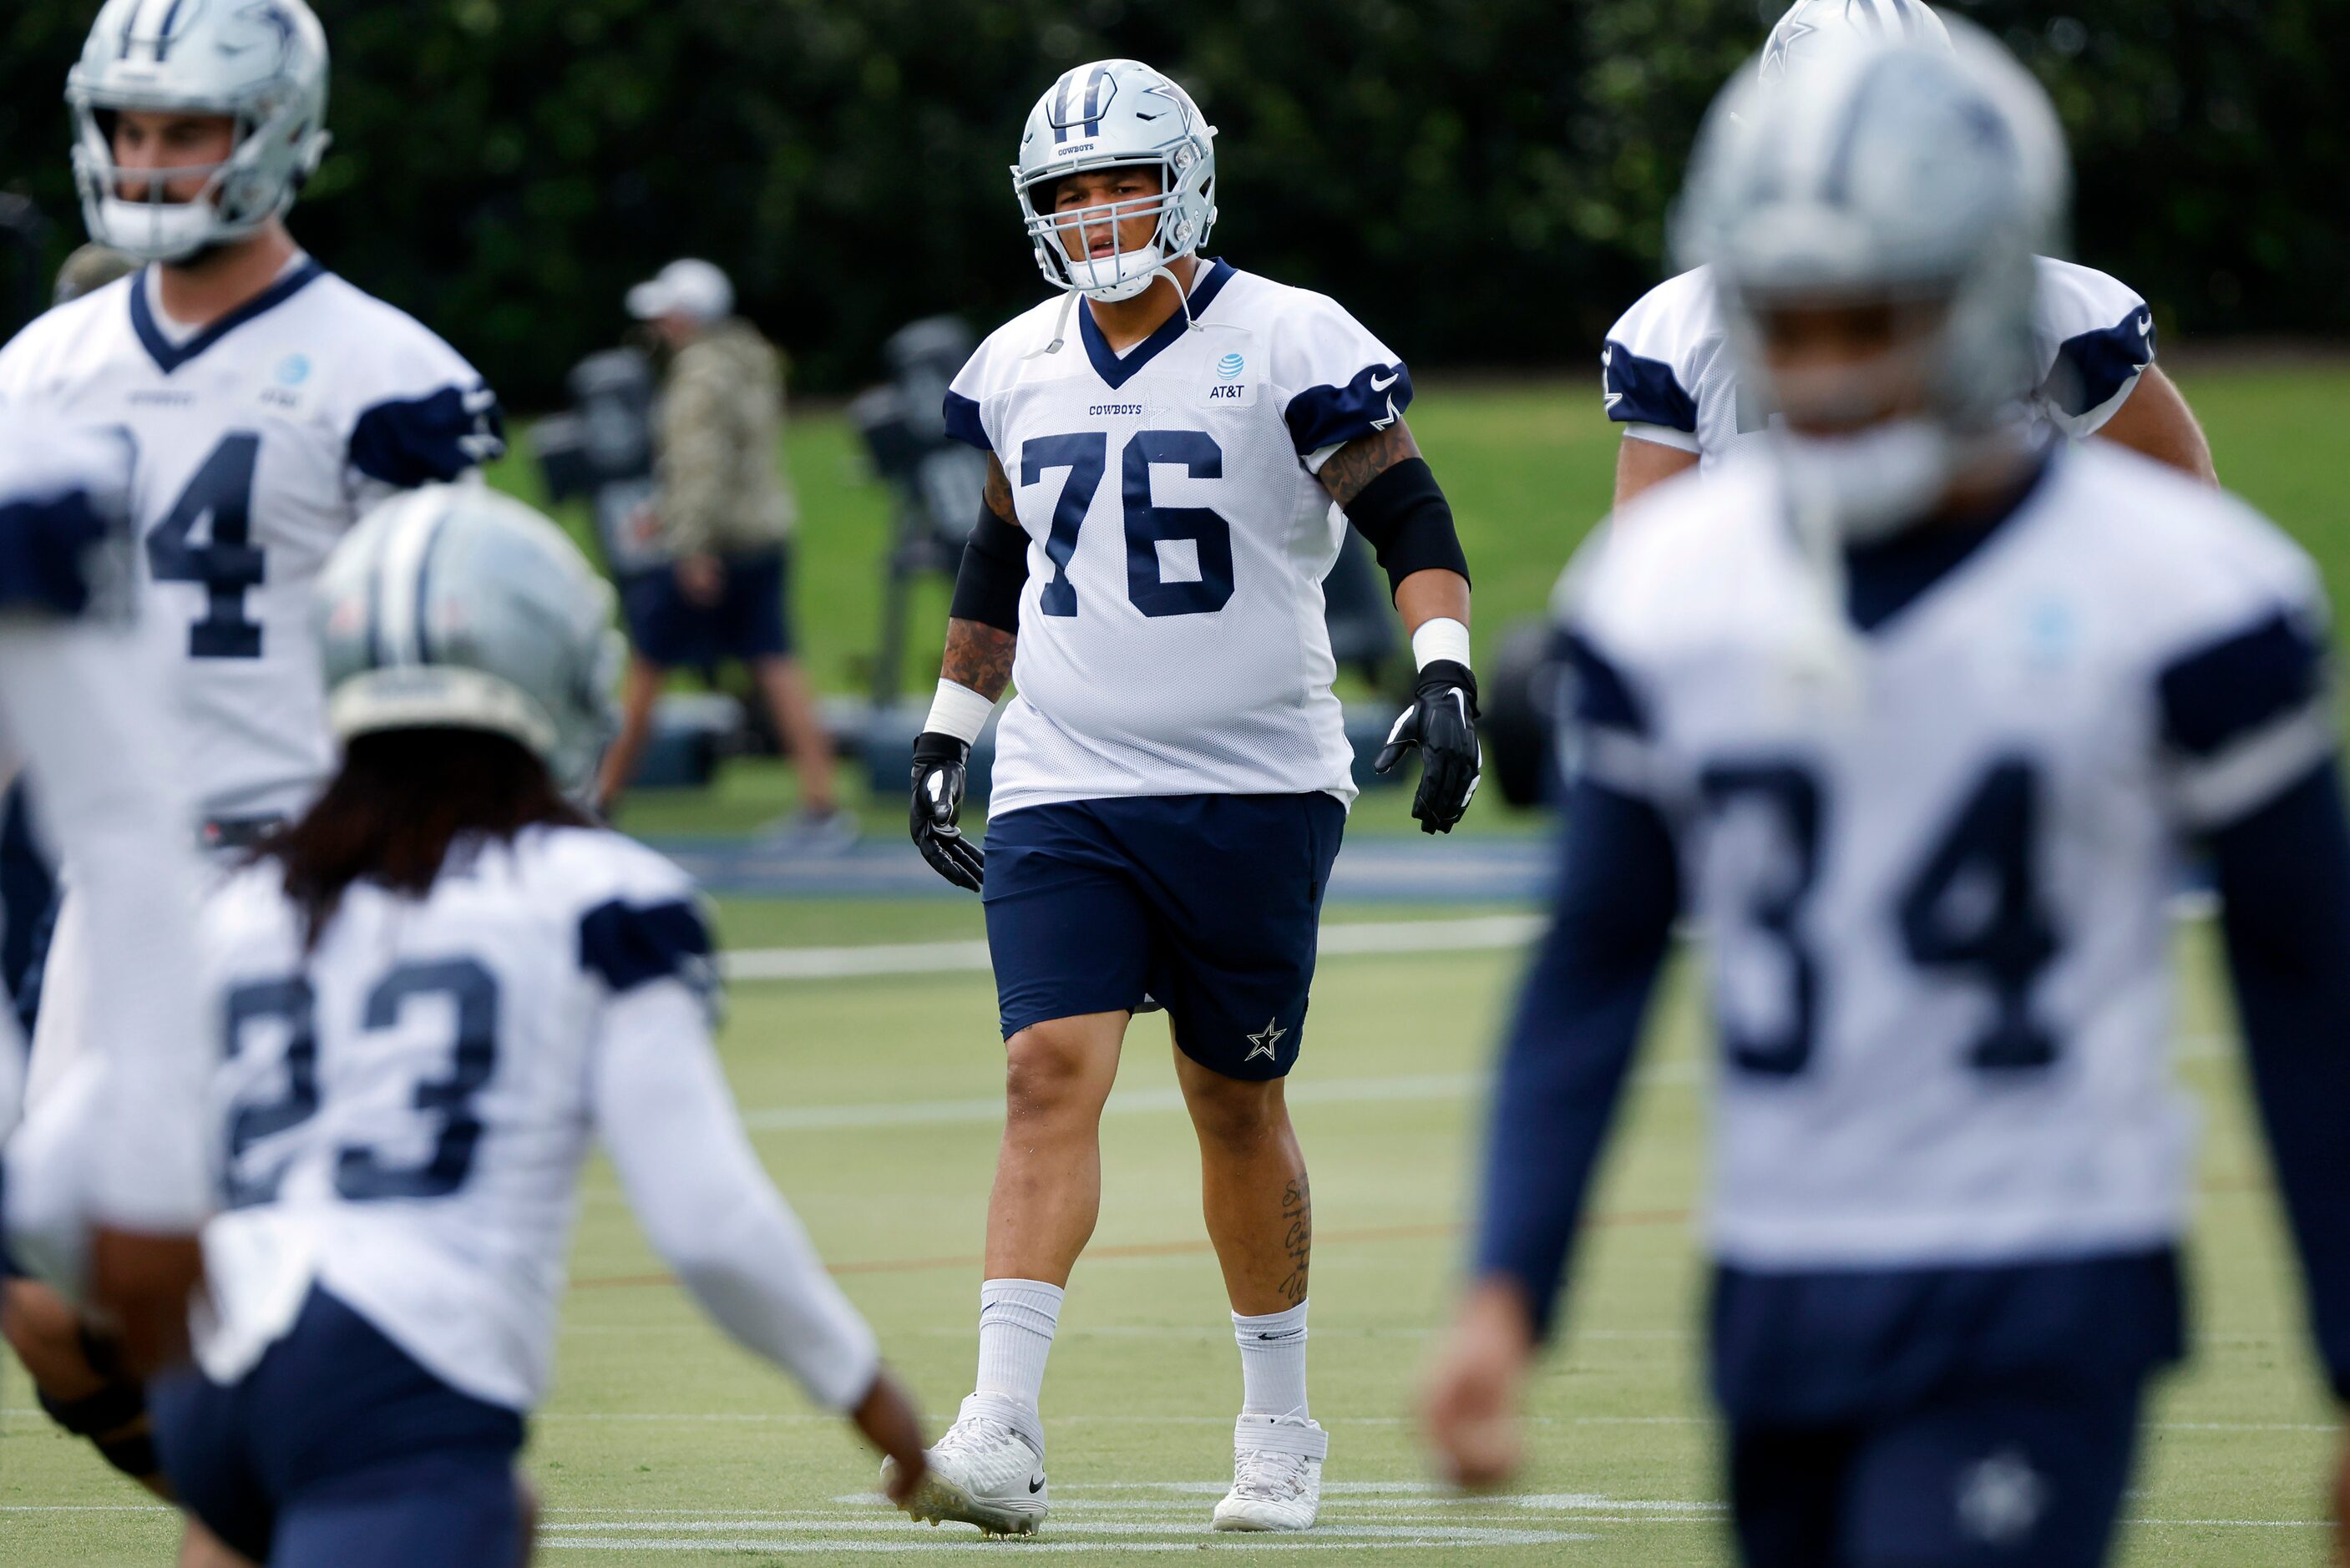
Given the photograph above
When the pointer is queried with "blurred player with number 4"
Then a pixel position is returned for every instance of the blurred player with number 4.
(1919, 712)
(268, 404)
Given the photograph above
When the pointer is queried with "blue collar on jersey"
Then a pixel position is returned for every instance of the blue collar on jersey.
(1883, 579)
(1117, 372)
(169, 356)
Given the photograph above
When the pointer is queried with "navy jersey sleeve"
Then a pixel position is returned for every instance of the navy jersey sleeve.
(1572, 1039)
(430, 438)
(45, 546)
(1655, 355)
(2284, 886)
(627, 944)
(1578, 1016)
(2245, 715)
(63, 503)
(2095, 337)
(1638, 391)
(1336, 381)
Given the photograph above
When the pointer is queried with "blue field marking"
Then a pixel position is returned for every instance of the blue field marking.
(1499, 869)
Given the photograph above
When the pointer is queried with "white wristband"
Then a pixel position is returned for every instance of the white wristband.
(1443, 638)
(958, 710)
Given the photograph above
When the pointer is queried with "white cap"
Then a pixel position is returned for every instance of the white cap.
(687, 287)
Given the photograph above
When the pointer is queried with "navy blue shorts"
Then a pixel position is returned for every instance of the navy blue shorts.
(338, 1451)
(2024, 1476)
(1939, 1417)
(749, 621)
(1209, 905)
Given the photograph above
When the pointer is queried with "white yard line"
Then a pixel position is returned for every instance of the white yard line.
(1476, 933)
(1480, 933)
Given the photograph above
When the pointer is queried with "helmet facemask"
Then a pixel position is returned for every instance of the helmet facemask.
(239, 195)
(1121, 273)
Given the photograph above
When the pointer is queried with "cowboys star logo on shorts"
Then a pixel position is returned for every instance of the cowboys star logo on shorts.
(1263, 1044)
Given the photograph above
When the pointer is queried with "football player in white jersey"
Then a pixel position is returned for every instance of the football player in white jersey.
(438, 986)
(1174, 446)
(270, 404)
(1919, 712)
(104, 1193)
(1669, 374)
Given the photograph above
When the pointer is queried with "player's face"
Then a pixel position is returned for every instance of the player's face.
(1088, 229)
(1838, 366)
(190, 145)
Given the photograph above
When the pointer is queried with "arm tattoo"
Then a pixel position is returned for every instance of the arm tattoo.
(998, 493)
(979, 656)
(1298, 1240)
(1346, 471)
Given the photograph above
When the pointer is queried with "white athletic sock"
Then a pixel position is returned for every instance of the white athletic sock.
(1016, 1318)
(1272, 1362)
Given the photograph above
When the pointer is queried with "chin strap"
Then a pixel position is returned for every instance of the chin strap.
(1069, 302)
(1060, 325)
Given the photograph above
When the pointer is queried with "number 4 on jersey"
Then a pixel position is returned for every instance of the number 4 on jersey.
(1972, 907)
(229, 563)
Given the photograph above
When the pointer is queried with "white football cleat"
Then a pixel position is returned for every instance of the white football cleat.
(1276, 1474)
(987, 1470)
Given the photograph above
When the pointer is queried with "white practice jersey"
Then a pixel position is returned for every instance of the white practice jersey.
(78, 713)
(1668, 372)
(408, 1105)
(260, 441)
(1933, 859)
(1171, 632)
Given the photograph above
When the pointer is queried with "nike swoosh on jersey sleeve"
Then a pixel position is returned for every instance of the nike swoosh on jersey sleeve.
(409, 441)
(1331, 416)
(2094, 369)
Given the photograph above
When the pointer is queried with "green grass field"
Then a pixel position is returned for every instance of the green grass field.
(875, 1103)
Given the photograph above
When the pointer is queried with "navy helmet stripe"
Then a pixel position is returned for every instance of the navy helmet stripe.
(163, 33)
(1066, 116)
(1094, 102)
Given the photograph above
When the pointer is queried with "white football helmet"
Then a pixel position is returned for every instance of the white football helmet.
(456, 606)
(1927, 176)
(262, 63)
(1103, 115)
(1814, 27)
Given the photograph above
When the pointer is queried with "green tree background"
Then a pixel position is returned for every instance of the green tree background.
(1486, 180)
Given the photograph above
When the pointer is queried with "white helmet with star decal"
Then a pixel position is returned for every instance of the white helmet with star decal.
(260, 63)
(1811, 27)
(1109, 114)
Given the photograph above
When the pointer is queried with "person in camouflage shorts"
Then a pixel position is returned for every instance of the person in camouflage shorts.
(726, 518)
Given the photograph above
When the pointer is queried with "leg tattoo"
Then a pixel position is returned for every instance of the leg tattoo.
(1297, 1217)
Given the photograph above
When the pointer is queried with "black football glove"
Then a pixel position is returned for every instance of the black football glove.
(939, 762)
(1442, 723)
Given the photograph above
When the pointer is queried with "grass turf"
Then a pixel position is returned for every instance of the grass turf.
(873, 1106)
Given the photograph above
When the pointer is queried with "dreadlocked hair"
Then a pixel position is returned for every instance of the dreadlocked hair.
(403, 798)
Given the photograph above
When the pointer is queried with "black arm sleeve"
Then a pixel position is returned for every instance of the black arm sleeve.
(1407, 522)
(1579, 1021)
(994, 570)
(2284, 886)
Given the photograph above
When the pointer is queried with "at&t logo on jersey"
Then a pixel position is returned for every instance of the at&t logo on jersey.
(1228, 390)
